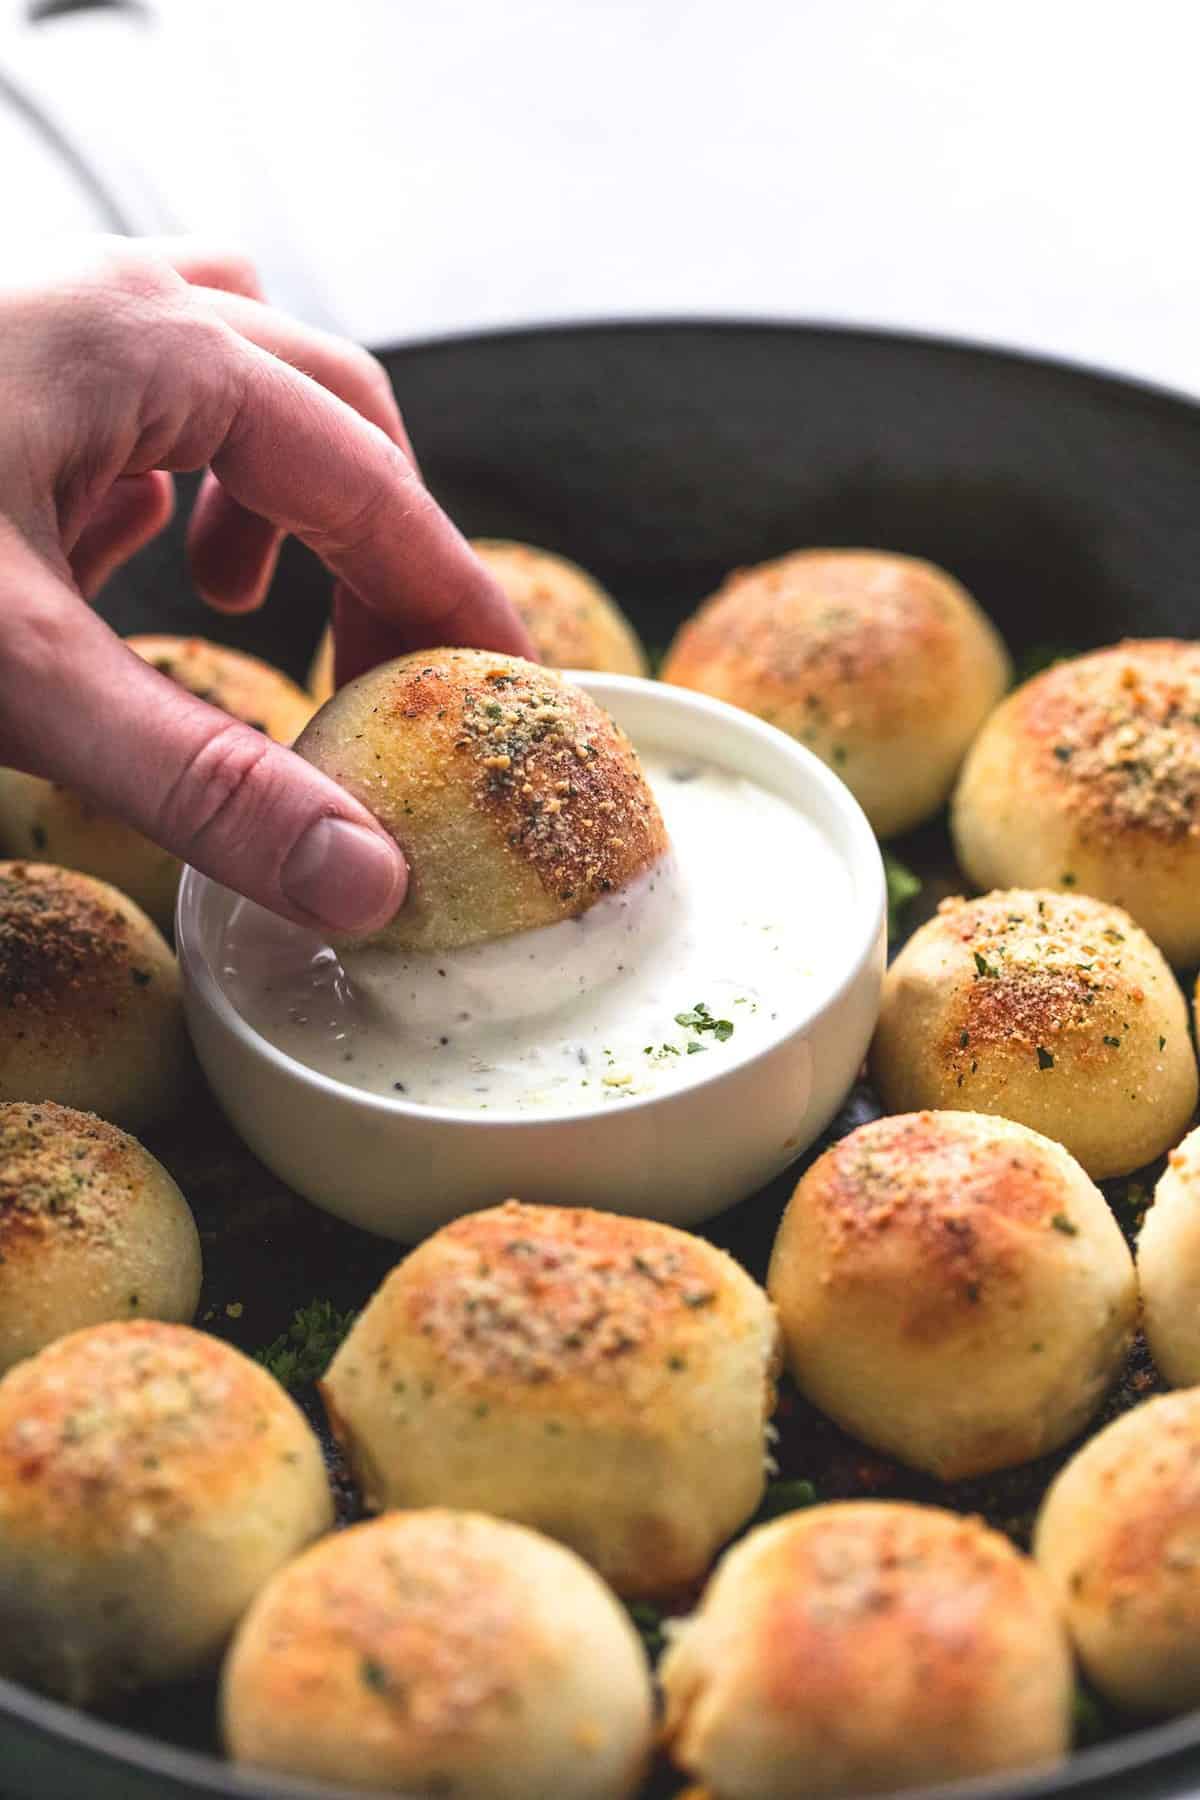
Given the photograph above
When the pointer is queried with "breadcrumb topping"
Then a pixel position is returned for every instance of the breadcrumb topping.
(543, 1294)
(61, 1171)
(1118, 734)
(59, 935)
(564, 780)
(1048, 976)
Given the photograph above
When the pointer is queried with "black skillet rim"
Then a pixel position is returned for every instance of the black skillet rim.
(1147, 1751)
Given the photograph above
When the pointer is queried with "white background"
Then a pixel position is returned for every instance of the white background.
(1023, 172)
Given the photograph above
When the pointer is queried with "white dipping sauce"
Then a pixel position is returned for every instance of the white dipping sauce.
(732, 933)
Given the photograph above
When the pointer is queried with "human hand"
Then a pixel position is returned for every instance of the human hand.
(117, 367)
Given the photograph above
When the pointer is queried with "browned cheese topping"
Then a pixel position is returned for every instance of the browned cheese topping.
(885, 1586)
(545, 1294)
(410, 1600)
(61, 1172)
(1118, 735)
(126, 1427)
(561, 778)
(840, 620)
(61, 944)
(556, 604)
(1047, 979)
(963, 1194)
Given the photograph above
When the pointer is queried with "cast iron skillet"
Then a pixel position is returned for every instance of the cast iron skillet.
(660, 456)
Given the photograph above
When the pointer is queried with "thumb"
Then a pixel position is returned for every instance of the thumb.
(80, 708)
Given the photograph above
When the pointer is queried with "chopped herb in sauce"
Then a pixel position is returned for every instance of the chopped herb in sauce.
(700, 1019)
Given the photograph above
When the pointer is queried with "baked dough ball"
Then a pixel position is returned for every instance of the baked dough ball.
(1117, 1537)
(1088, 777)
(152, 1478)
(603, 1379)
(441, 1652)
(91, 1228)
(881, 664)
(90, 1008)
(1168, 1263)
(516, 799)
(40, 818)
(1053, 1009)
(864, 1647)
(954, 1290)
(573, 621)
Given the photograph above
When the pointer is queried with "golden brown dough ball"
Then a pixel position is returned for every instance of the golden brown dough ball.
(1168, 1262)
(518, 802)
(42, 819)
(1117, 1538)
(602, 1379)
(954, 1290)
(882, 664)
(1088, 777)
(442, 1651)
(573, 621)
(90, 1008)
(151, 1480)
(91, 1228)
(864, 1647)
(1052, 1009)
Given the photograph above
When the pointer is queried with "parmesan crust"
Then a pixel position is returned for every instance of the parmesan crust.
(1052, 1009)
(90, 1008)
(882, 664)
(1088, 777)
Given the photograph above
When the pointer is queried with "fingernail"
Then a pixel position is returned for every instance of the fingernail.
(349, 878)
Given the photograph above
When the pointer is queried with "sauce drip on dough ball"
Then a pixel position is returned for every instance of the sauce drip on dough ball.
(603, 1379)
(1052, 1009)
(1088, 778)
(954, 1290)
(516, 799)
(865, 1647)
(91, 1228)
(442, 1652)
(151, 1480)
(882, 664)
(90, 1007)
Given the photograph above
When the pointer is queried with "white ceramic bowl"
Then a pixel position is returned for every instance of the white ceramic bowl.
(402, 1169)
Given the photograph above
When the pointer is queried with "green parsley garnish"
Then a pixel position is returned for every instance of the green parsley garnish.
(305, 1350)
(902, 889)
(785, 1497)
(648, 1622)
(1061, 1223)
(983, 966)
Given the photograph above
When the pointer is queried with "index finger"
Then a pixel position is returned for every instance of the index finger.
(303, 458)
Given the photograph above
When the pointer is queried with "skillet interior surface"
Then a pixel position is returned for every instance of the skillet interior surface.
(660, 456)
